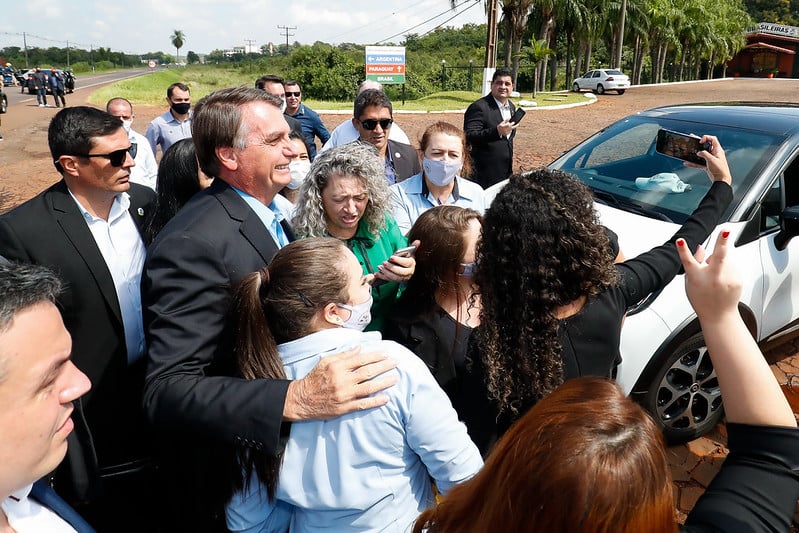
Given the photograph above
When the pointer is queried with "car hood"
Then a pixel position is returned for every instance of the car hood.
(636, 233)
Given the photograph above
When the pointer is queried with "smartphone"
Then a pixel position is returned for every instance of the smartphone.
(681, 145)
(518, 115)
(402, 252)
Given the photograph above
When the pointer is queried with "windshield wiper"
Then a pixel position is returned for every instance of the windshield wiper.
(626, 205)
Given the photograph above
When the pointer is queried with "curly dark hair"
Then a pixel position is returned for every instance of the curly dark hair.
(542, 248)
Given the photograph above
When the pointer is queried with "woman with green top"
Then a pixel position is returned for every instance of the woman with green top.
(346, 196)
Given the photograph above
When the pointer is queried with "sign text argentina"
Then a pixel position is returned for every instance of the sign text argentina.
(385, 64)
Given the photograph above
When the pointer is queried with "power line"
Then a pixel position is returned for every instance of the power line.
(385, 21)
(70, 44)
(287, 28)
(403, 32)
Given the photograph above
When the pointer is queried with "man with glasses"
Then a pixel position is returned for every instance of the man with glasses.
(312, 125)
(273, 85)
(490, 132)
(87, 228)
(373, 118)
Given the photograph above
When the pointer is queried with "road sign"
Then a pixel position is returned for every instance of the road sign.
(385, 64)
(151, 63)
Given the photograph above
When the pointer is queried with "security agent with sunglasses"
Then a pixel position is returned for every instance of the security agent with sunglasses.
(373, 117)
(87, 228)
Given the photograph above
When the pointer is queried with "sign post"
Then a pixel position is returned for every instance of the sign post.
(386, 65)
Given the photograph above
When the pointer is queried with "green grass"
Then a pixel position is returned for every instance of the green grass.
(151, 90)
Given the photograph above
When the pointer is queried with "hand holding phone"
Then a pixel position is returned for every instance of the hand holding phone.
(682, 146)
(518, 115)
(408, 251)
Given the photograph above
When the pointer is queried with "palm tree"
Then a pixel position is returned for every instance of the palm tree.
(535, 54)
(177, 41)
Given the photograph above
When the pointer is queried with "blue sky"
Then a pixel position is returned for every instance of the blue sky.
(146, 25)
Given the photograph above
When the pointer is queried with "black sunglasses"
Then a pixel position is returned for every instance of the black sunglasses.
(297, 94)
(117, 157)
(371, 123)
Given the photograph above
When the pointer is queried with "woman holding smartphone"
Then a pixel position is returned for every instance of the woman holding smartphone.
(346, 196)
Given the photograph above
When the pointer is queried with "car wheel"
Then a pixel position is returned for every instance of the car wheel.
(600, 89)
(621, 91)
(684, 397)
(576, 87)
(3, 104)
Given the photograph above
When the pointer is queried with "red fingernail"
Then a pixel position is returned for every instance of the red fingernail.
(725, 233)
(680, 242)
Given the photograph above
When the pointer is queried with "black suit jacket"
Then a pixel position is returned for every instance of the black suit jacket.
(50, 230)
(406, 160)
(492, 155)
(213, 242)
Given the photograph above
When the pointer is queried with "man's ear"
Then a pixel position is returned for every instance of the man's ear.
(228, 157)
(67, 164)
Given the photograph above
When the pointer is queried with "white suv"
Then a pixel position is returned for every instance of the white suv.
(664, 360)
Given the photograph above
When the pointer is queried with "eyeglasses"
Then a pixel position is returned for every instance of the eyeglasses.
(297, 94)
(117, 157)
(371, 123)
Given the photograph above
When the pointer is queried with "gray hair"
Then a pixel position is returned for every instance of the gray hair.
(357, 159)
(23, 286)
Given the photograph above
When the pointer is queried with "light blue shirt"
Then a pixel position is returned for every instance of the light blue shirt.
(368, 470)
(271, 215)
(410, 198)
(166, 130)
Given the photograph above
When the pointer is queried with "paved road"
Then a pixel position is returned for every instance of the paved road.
(84, 83)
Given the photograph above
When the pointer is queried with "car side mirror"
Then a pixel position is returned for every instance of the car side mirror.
(789, 227)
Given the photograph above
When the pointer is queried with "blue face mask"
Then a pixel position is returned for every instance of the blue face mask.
(360, 315)
(441, 173)
(467, 270)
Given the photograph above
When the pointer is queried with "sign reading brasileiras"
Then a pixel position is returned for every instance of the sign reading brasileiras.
(385, 64)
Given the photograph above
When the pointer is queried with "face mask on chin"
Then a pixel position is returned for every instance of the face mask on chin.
(441, 173)
(181, 108)
(360, 315)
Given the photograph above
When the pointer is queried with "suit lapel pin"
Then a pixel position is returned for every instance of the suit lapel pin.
(140, 211)
(398, 155)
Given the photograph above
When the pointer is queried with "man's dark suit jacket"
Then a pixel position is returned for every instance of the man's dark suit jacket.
(50, 230)
(492, 155)
(213, 242)
(406, 160)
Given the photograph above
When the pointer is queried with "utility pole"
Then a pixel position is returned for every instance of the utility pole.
(67, 54)
(287, 34)
(491, 45)
(248, 45)
(25, 44)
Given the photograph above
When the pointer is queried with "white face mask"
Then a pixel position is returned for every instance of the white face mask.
(299, 168)
(441, 173)
(127, 125)
(360, 315)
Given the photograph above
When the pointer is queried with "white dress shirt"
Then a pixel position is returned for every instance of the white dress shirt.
(29, 516)
(145, 172)
(122, 248)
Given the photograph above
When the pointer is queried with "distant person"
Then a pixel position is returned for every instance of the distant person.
(87, 227)
(300, 166)
(444, 161)
(312, 125)
(588, 458)
(145, 172)
(179, 178)
(373, 117)
(490, 132)
(346, 133)
(173, 125)
(39, 386)
(56, 83)
(39, 80)
(274, 85)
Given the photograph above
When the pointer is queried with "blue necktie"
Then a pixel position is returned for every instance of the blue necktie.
(42, 493)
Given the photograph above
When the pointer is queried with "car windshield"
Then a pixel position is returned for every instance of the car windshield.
(612, 160)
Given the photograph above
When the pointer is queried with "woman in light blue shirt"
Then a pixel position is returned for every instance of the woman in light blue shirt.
(444, 161)
(365, 471)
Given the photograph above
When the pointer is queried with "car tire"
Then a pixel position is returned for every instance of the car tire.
(3, 104)
(621, 91)
(576, 87)
(684, 396)
(600, 89)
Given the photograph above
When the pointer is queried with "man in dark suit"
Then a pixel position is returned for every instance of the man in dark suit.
(490, 132)
(38, 385)
(87, 228)
(373, 116)
(223, 233)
